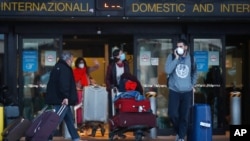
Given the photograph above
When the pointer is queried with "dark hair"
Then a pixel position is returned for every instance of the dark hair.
(116, 52)
(78, 60)
(183, 41)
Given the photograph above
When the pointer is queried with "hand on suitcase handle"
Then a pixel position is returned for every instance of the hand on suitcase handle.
(65, 101)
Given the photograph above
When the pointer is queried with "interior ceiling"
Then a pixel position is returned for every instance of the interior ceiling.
(93, 41)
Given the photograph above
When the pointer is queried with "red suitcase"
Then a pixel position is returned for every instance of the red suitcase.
(133, 119)
(132, 105)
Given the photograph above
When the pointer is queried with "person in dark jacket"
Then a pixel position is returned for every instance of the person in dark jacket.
(115, 69)
(128, 76)
(61, 90)
(118, 66)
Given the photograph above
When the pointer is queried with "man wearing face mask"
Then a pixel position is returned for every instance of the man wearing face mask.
(82, 78)
(182, 79)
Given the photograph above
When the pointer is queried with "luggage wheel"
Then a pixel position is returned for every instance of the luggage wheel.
(93, 132)
(103, 131)
(111, 139)
(138, 137)
(111, 136)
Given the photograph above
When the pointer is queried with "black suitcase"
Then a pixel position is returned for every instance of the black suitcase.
(44, 125)
(16, 129)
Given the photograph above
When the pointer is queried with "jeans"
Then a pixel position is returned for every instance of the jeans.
(178, 110)
(68, 118)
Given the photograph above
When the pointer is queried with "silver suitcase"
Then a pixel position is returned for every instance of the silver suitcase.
(95, 104)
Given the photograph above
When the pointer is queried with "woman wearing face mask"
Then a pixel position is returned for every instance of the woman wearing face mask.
(115, 69)
(82, 78)
(117, 66)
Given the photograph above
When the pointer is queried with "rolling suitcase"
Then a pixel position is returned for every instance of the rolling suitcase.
(95, 104)
(132, 105)
(44, 125)
(16, 129)
(95, 107)
(199, 127)
(202, 128)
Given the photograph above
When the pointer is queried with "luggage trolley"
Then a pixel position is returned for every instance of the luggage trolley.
(137, 122)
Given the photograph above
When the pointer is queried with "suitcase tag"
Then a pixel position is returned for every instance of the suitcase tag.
(205, 124)
(140, 108)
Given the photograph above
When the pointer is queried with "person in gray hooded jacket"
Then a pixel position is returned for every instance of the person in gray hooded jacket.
(182, 79)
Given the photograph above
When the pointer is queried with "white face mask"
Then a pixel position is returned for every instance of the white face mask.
(81, 65)
(180, 51)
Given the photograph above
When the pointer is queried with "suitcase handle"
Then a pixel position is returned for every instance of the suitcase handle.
(61, 110)
(42, 110)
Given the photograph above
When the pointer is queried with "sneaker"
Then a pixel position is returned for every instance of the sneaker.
(177, 137)
(181, 140)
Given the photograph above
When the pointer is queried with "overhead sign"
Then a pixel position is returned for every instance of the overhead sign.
(110, 4)
(126, 8)
(191, 8)
(47, 8)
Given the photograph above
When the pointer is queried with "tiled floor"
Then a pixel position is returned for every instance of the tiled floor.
(131, 138)
(98, 137)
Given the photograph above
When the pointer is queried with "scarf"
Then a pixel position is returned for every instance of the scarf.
(120, 64)
(81, 75)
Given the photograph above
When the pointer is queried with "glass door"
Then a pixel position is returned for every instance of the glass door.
(152, 54)
(208, 53)
(37, 57)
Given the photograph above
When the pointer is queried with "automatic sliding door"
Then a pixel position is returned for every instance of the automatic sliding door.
(209, 59)
(152, 54)
(38, 56)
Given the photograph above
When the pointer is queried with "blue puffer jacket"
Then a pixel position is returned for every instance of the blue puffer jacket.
(130, 94)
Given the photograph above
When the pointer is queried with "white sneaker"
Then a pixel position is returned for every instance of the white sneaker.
(181, 140)
(177, 137)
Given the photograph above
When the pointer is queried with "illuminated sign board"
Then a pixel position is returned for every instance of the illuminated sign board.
(162, 8)
(126, 8)
(47, 8)
(109, 4)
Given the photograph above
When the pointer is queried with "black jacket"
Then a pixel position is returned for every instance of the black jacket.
(61, 85)
(110, 79)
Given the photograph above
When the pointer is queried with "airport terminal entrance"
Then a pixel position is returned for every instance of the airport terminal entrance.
(146, 56)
